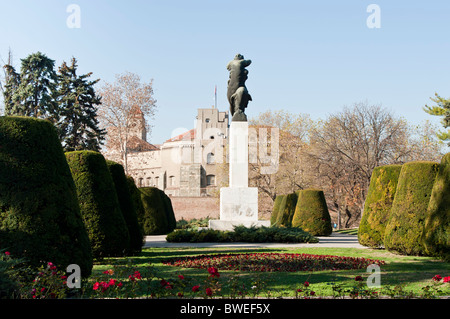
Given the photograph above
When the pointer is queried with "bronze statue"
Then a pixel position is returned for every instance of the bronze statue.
(237, 93)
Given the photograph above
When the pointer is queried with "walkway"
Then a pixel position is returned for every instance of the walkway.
(336, 240)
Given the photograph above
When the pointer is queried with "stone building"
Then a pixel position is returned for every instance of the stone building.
(184, 165)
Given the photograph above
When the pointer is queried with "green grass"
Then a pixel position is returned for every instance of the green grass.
(410, 272)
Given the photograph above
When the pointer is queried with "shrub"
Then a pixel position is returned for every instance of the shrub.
(170, 214)
(287, 210)
(244, 234)
(126, 206)
(157, 218)
(311, 213)
(377, 208)
(404, 229)
(437, 222)
(99, 204)
(276, 209)
(40, 217)
(137, 201)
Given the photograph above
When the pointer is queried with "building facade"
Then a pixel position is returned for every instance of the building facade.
(184, 165)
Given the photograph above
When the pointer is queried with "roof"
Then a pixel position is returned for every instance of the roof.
(136, 144)
(186, 136)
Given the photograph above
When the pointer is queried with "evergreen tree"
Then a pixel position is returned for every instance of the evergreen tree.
(32, 92)
(77, 115)
(441, 109)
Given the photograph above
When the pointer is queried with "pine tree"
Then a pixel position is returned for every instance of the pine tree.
(77, 116)
(31, 92)
(441, 109)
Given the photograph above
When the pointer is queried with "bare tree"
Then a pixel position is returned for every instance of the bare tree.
(124, 101)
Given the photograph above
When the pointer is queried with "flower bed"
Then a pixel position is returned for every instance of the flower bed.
(272, 262)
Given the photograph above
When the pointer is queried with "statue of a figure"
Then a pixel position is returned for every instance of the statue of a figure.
(237, 93)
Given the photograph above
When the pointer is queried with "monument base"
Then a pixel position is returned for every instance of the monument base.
(238, 206)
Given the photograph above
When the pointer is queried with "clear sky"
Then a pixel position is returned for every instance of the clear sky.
(307, 56)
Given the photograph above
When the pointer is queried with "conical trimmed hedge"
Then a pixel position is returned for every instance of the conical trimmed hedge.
(99, 204)
(137, 201)
(437, 222)
(126, 206)
(287, 210)
(40, 218)
(404, 230)
(311, 213)
(276, 209)
(158, 218)
(377, 208)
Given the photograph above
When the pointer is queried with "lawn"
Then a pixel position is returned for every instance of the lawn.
(401, 276)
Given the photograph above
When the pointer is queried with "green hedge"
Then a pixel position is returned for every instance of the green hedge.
(404, 229)
(126, 206)
(287, 210)
(137, 201)
(276, 209)
(99, 204)
(40, 217)
(437, 222)
(158, 218)
(377, 208)
(244, 234)
(311, 213)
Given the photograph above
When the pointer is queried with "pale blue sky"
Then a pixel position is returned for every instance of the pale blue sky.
(308, 56)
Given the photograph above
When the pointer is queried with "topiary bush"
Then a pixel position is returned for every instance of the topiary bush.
(404, 229)
(377, 208)
(276, 209)
(170, 214)
(137, 201)
(437, 223)
(126, 206)
(40, 217)
(157, 218)
(287, 210)
(311, 213)
(99, 204)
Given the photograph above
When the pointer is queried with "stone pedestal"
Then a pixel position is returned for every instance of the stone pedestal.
(238, 203)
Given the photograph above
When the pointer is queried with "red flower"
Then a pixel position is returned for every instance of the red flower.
(214, 272)
(163, 282)
(132, 278)
(447, 279)
(195, 288)
(209, 292)
(181, 277)
(437, 278)
(358, 278)
(312, 293)
(137, 275)
(306, 284)
(7, 253)
(96, 286)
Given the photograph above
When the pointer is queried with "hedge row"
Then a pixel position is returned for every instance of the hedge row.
(40, 217)
(407, 209)
(244, 234)
(67, 208)
(306, 209)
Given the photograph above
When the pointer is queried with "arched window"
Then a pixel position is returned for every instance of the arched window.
(210, 180)
(210, 158)
(141, 182)
(171, 180)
